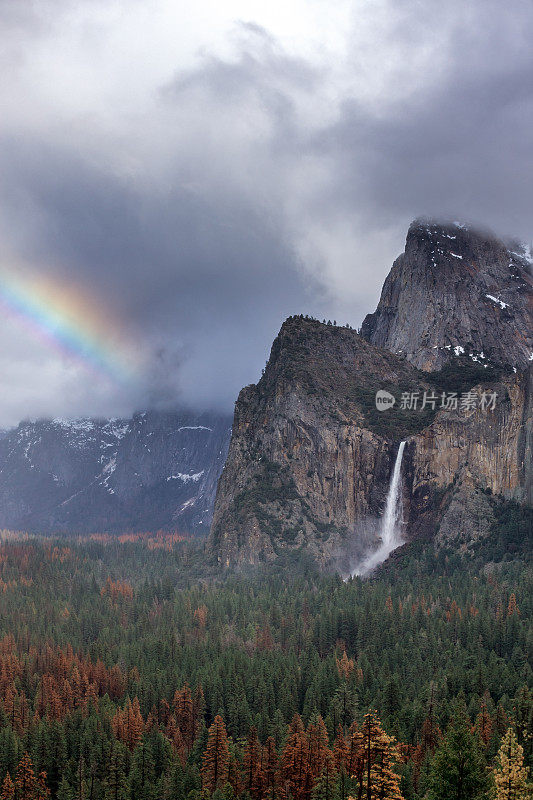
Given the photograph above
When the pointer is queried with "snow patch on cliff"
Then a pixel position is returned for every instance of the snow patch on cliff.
(498, 301)
(183, 476)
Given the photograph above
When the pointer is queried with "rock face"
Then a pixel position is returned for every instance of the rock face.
(491, 450)
(156, 470)
(456, 289)
(310, 457)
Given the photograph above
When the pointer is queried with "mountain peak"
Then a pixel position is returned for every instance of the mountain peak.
(456, 288)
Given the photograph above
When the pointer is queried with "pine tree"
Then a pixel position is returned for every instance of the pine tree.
(326, 787)
(8, 789)
(8, 752)
(252, 765)
(431, 733)
(42, 792)
(380, 753)
(344, 705)
(64, 792)
(216, 757)
(523, 714)
(185, 716)
(318, 743)
(234, 773)
(54, 753)
(458, 769)
(510, 774)
(115, 781)
(270, 769)
(341, 756)
(25, 782)
(484, 724)
(141, 776)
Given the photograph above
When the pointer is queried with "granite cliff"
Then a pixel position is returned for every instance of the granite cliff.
(455, 289)
(310, 456)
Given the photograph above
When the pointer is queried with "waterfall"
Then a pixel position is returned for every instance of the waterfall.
(390, 528)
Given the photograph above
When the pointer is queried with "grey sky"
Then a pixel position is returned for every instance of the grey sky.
(199, 175)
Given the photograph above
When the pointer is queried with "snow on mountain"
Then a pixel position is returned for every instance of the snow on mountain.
(156, 470)
(477, 295)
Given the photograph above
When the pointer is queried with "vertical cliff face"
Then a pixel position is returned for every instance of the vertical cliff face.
(491, 450)
(310, 455)
(462, 460)
(455, 289)
(310, 458)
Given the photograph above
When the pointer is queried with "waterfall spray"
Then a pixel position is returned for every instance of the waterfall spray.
(390, 529)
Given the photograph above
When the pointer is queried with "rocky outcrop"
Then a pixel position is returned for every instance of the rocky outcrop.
(456, 290)
(487, 449)
(156, 470)
(462, 459)
(310, 457)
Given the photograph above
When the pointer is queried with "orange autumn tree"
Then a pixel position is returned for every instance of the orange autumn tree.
(253, 766)
(216, 758)
(510, 774)
(128, 724)
(378, 754)
(8, 789)
(175, 738)
(42, 792)
(318, 743)
(355, 761)
(117, 590)
(271, 777)
(512, 607)
(484, 724)
(345, 666)
(294, 759)
(200, 617)
(25, 782)
(65, 681)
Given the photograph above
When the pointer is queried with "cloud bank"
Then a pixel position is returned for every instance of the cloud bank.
(201, 177)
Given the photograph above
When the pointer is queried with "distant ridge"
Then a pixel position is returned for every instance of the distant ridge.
(155, 470)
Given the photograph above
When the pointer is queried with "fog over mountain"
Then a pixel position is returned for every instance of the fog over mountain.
(181, 185)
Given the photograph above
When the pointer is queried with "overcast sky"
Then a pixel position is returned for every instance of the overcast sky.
(194, 173)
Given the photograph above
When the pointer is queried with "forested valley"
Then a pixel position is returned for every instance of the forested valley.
(129, 670)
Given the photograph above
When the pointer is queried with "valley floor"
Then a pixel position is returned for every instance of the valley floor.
(128, 670)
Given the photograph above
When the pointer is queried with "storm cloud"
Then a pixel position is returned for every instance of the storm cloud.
(202, 176)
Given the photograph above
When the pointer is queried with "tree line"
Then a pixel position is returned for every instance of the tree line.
(131, 672)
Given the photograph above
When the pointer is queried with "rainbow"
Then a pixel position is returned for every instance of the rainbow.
(72, 322)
